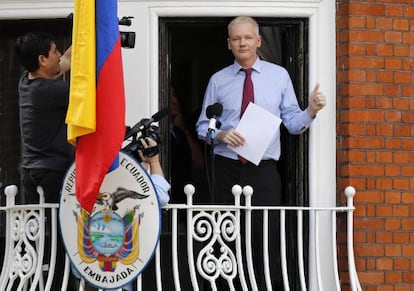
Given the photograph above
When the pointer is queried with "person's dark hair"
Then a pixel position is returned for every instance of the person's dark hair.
(30, 46)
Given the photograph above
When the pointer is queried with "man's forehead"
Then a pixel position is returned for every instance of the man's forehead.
(242, 29)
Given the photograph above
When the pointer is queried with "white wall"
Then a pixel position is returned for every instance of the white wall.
(141, 74)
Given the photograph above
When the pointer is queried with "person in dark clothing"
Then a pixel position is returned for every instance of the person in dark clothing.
(43, 102)
(187, 155)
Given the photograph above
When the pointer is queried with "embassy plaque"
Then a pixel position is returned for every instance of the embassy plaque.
(112, 245)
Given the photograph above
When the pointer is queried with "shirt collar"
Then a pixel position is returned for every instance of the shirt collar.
(256, 66)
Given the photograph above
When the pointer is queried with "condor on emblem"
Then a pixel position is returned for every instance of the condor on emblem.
(112, 245)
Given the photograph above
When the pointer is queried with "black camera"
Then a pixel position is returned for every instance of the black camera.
(135, 144)
(143, 129)
(127, 37)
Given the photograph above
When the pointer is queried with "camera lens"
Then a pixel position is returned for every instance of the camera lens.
(127, 39)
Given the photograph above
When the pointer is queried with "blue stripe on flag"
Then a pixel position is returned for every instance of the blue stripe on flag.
(107, 31)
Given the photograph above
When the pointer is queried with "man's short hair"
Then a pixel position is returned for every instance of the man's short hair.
(30, 46)
(243, 19)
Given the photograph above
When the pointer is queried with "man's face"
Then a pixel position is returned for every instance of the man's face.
(243, 41)
(50, 63)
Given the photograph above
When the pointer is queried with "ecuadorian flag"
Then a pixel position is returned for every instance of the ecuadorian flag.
(96, 113)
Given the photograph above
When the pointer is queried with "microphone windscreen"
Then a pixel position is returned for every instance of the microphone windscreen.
(160, 114)
(214, 110)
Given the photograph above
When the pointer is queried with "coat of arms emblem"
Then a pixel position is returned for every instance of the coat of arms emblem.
(112, 245)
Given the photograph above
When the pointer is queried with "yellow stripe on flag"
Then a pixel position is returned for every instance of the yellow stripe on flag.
(81, 114)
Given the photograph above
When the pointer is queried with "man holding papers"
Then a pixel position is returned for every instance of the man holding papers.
(273, 93)
(240, 158)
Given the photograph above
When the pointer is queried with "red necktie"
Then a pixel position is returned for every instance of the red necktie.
(248, 96)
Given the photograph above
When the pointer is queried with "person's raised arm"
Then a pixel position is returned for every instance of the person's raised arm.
(64, 62)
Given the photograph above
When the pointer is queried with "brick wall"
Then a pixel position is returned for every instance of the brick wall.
(375, 129)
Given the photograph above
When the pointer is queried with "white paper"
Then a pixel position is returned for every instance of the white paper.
(256, 140)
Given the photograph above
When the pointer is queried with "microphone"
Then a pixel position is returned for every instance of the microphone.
(212, 112)
(146, 123)
(159, 115)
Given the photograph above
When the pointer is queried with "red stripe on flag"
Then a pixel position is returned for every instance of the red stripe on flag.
(95, 152)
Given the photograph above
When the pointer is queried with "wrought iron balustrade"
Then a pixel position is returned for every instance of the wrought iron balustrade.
(199, 247)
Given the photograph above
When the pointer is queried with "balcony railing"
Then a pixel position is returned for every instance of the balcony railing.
(199, 246)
